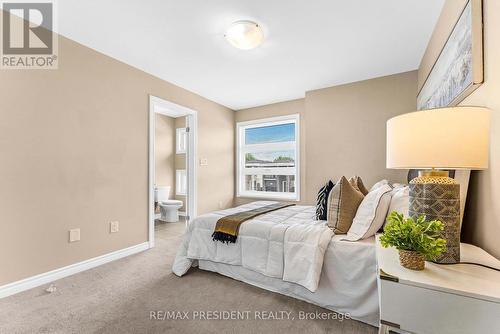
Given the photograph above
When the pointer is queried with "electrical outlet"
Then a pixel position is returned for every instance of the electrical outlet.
(203, 162)
(114, 227)
(74, 235)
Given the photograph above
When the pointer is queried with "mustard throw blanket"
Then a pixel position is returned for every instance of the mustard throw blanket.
(227, 228)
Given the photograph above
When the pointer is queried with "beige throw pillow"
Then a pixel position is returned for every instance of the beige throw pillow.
(343, 202)
(357, 183)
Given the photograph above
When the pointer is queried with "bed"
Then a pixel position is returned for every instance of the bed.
(346, 278)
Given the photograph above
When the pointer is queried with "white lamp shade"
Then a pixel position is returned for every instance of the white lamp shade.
(445, 138)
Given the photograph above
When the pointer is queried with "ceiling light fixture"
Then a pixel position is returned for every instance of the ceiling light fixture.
(245, 35)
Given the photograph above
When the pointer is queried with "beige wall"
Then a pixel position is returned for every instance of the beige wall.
(165, 151)
(343, 129)
(346, 129)
(74, 145)
(482, 215)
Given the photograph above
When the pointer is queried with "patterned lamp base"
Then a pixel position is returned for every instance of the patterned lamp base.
(437, 197)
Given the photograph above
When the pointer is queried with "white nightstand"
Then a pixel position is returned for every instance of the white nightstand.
(442, 298)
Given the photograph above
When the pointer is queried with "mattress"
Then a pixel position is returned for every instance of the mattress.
(348, 282)
(288, 243)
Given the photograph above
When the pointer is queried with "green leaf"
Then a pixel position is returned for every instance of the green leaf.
(416, 235)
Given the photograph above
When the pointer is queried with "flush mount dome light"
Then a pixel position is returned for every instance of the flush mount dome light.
(244, 35)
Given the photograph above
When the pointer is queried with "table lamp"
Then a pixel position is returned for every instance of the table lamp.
(431, 141)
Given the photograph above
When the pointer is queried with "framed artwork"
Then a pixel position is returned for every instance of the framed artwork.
(458, 70)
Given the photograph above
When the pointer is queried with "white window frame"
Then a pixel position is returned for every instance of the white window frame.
(242, 149)
(180, 141)
(180, 182)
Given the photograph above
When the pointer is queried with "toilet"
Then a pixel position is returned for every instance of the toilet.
(169, 208)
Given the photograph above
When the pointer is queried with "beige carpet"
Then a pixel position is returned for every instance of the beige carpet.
(119, 296)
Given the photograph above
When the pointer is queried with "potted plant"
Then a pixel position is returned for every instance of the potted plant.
(416, 241)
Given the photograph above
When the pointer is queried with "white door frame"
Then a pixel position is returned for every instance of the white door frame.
(164, 107)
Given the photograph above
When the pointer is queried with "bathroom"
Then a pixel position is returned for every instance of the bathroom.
(170, 181)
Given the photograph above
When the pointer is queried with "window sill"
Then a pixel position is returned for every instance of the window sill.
(269, 197)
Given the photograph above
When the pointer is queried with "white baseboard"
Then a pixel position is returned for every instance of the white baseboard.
(53, 275)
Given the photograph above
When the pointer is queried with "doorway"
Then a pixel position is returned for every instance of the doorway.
(184, 185)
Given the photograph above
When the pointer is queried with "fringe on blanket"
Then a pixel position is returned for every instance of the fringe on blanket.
(224, 237)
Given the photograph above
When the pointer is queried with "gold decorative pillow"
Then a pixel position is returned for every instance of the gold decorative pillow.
(343, 202)
(357, 183)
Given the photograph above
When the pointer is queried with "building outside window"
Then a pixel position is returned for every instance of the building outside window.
(268, 158)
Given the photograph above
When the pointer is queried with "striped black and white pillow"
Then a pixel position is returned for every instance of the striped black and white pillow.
(322, 199)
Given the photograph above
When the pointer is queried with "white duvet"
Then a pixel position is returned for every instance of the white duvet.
(288, 244)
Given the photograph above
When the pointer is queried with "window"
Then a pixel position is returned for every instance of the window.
(268, 158)
(180, 182)
(180, 141)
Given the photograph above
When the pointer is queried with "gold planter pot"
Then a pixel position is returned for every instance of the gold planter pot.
(411, 260)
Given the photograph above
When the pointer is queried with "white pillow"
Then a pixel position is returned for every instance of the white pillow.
(378, 185)
(371, 213)
(400, 201)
